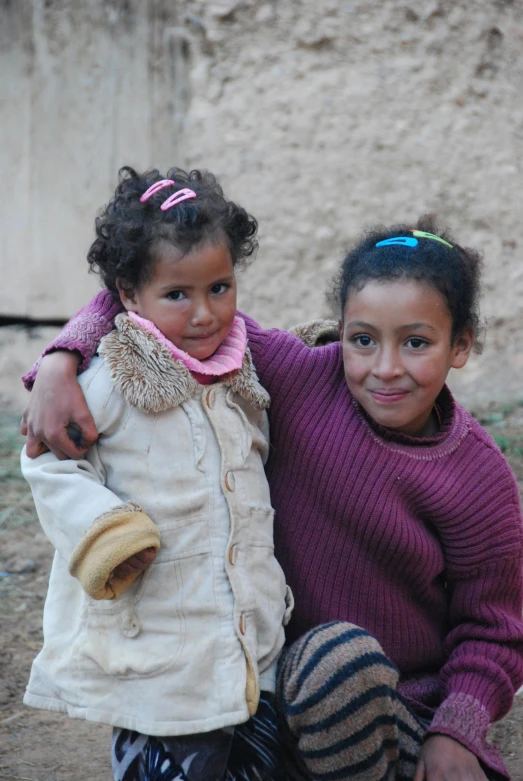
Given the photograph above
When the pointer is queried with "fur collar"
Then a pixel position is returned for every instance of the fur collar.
(317, 333)
(149, 378)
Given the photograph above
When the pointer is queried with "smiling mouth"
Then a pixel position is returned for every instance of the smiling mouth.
(388, 396)
(202, 337)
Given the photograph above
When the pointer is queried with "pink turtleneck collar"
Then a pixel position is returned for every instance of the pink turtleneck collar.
(227, 358)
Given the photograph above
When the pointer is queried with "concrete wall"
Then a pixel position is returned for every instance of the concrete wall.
(320, 118)
(84, 88)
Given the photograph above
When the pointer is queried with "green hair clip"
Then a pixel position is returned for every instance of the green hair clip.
(424, 235)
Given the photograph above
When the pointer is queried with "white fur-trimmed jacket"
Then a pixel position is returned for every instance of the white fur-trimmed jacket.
(187, 646)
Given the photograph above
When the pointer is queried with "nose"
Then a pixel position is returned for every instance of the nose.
(388, 364)
(202, 313)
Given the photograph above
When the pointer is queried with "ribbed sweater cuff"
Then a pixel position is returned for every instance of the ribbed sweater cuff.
(465, 719)
(82, 333)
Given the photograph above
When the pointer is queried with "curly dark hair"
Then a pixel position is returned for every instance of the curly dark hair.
(454, 272)
(129, 232)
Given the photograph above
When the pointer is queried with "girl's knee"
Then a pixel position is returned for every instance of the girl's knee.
(336, 655)
(337, 696)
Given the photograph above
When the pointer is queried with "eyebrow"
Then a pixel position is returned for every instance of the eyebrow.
(415, 326)
(358, 324)
(188, 287)
(407, 327)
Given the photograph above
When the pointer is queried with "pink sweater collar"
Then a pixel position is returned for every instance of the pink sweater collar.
(227, 358)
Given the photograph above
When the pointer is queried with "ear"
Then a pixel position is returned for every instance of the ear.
(340, 329)
(127, 297)
(462, 348)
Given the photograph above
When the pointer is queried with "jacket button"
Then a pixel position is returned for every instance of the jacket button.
(131, 626)
(232, 554)
(210, 398)
(242, 625)
(229, 481)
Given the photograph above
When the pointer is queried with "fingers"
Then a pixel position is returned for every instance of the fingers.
(23, 423)
(141, 560)
(147, 556)
(443, 758)
(58, 442)
(34, 446)
(87, 429)
(135, 564)
(126, 568)
(56, 416)
(419, 775)
(79, 439)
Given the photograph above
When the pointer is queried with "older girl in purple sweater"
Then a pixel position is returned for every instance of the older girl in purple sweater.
(398, 522)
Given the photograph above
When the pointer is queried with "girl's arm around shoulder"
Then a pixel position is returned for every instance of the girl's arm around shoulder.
(57, 399)
(283, 358)
(87, 523)
(82, 334)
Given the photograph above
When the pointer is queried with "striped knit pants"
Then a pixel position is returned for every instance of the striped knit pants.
(338, 702)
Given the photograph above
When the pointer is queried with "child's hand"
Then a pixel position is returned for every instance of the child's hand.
(134, 564)
(56, 417)
(444, 759)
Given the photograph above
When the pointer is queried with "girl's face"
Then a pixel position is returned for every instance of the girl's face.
(397, 352)
(190, 298)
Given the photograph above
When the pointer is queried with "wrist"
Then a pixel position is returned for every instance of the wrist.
(65, 362)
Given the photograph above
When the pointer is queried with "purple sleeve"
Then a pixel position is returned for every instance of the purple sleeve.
(280, 358)
(484, 646)
(82, 333)
(268, 346)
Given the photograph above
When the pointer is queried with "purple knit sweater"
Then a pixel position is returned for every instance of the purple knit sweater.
(418, 541)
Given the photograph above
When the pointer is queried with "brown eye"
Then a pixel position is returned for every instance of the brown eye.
(362, 340)
(221, 287)
(416, 343)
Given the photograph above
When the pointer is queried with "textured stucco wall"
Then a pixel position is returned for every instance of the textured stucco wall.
(326, 117)
(321, 118)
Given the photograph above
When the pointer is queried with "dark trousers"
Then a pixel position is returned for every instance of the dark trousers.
(248, 752)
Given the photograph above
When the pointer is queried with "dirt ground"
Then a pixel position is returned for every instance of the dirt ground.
(42, 746)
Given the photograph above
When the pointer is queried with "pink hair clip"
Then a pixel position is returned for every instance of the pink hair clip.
(177, 197)
(154, 188)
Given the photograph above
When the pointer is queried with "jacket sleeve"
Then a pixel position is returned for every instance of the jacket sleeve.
(82, 333)
(89, 525)
(484, 646)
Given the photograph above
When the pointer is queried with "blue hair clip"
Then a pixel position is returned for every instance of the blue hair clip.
(404, 241)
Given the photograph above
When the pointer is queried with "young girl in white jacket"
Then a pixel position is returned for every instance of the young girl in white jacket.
(166, 605)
